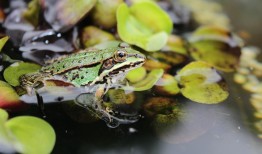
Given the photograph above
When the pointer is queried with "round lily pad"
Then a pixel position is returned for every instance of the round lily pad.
(34, 134)
(201, 83)
(14, 71)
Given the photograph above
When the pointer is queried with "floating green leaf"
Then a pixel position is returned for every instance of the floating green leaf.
(144, 24)
(219, 54)
(201, 83)
(29, 131)
(136, 75)
(14, 71)
(3, 41)
(9, 99)
(149, 81)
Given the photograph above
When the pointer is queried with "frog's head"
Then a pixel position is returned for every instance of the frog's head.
(123, 59)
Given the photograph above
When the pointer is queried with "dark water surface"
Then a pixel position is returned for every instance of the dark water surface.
(215, 129)
(206, 129)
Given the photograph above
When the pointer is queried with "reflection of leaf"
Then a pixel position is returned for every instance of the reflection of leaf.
(3, 41)
(29, 131)
(149, 81)
(201, 83)
(8, 96)
(217, 53)
(14, 71)
(144, 24)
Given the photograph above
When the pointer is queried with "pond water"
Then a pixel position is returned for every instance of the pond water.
(205, 129)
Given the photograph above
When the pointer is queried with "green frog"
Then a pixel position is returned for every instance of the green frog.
(95, 70)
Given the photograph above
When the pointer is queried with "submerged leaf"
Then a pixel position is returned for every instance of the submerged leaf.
(144, 24)
(3, 41)
(14, 71)
(201, 83)
(29, 131)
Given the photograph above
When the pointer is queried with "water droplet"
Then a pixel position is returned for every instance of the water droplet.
(46, 42)
(58, 35)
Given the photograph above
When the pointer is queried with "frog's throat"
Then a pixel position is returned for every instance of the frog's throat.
(114, 71)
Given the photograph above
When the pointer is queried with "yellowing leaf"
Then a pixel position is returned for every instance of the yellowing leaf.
(201, 83)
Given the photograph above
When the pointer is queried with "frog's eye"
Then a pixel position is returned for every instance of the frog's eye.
(120, 55)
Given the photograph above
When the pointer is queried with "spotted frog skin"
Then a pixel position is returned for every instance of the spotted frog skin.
(95, 68)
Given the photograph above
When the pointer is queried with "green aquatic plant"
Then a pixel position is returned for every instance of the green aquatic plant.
(23, 134)
(144, 24)
(3, 41)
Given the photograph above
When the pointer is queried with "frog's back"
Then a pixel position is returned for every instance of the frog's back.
(77, 60)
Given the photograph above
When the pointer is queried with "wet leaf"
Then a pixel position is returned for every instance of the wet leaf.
(46, 40)
(149, 81)
(144, 24)
(201, 83)
(219, 54)
(167, 85)
(14, 71)
(15, 21)
(32, 13)
(3, 41)
(136, 75)
(104, 13)
(9, 99)
(29, 131)
(92, 35)
(64, 14)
